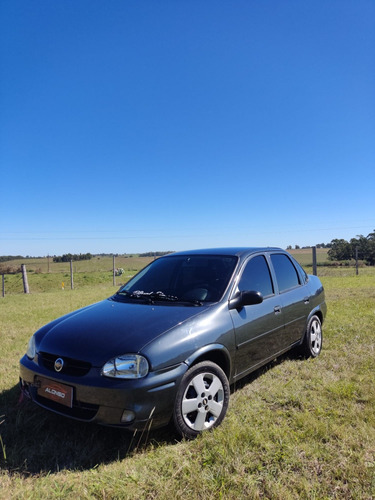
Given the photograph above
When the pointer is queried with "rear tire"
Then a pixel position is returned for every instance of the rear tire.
(202, 399)
(313, 340)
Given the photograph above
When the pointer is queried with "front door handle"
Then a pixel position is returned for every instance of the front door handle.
(277, 309)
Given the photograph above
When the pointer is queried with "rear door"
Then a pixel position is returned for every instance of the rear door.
(293, 298)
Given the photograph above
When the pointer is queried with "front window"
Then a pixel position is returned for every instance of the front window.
(256, 277)
(202, 278)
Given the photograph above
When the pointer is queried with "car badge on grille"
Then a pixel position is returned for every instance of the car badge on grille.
(59, 363)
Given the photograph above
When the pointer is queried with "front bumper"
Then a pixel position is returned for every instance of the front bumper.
(104, 400)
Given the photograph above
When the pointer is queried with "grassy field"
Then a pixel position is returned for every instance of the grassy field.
(96, 264)
(295, 429)
(53, 276)
(304, 256)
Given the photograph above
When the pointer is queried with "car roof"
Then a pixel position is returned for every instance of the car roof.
(235, 251)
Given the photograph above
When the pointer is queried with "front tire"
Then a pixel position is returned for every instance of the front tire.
(313, 340)
(202, 399)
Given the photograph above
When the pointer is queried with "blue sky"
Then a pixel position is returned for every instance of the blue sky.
(137, 125)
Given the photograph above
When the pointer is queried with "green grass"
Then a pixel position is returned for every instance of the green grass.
(295, 429)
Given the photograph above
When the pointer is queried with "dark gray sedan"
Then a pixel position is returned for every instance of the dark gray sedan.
(170, 342)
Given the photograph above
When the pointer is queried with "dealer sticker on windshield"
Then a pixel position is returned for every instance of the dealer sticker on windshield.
(60, 393)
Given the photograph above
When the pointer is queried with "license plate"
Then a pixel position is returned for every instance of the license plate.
(60, 393)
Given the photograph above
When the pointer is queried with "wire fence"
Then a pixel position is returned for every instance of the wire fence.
(43, 274)
(11, 284)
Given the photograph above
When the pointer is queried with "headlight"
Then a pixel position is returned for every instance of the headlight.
(126, 366)
(31, 349)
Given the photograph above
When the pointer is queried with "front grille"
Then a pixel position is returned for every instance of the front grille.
(74, 367)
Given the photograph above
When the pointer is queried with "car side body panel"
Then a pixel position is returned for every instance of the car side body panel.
(258, 329)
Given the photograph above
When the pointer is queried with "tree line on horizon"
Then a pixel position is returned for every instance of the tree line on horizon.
(338, 250)
(67, 257)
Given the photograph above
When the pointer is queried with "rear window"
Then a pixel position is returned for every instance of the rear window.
(286, 274)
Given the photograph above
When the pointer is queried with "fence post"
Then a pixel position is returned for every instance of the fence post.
(71, 275)
(24, 279)
(114, 271)
(315, 273)
(356, 261)
(3, 284)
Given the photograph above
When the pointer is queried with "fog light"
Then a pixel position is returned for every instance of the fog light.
(25, 389)
(127, 416)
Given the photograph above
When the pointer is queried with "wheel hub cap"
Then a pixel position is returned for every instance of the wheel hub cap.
(203, 400)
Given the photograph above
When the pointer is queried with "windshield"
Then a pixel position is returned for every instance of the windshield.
(202, 278)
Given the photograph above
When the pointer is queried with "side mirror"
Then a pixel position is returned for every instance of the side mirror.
(245, 298)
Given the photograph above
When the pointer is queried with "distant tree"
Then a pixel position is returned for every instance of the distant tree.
(297, 247)
(361, 243)
(67, 257)
(371, 249)
(365, 246)
(340, 250)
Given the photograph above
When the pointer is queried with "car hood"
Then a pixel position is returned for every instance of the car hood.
(109, 328)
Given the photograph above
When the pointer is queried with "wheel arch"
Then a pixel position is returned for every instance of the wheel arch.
(320, 315)
(215, 353)
(316, 312)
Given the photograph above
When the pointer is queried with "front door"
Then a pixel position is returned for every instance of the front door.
(257, 327)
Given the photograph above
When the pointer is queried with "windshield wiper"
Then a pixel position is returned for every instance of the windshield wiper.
(192, 302)
(155, 296)
(151, 296)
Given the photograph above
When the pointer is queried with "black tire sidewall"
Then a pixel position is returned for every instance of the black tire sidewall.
(203, 367)
(307, 346)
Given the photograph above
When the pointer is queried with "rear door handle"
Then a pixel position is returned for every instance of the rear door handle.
(306, 300)
(277, 309)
